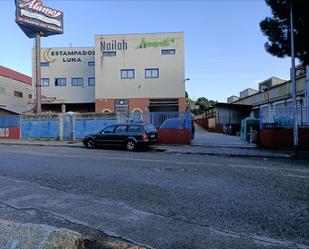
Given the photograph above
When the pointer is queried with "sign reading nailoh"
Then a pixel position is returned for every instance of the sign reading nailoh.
(33, 17)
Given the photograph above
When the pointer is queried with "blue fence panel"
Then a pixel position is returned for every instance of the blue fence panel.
(165, 119)
(68, 127)
(283, 117)
(40, 129)
(85, 127)
(9, 121)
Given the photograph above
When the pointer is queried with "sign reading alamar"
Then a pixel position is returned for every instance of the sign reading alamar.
(33, 17)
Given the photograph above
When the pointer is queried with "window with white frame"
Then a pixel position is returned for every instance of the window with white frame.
(2, 90)
(44, 81)
(127, 73)
(60, 82)
(18, 94)
(91, 81)
(44, 64)
(151, 73)
(168, 51)
(77, 81)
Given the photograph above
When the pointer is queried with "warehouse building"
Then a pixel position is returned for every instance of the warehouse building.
(121, 74)
(15, 91)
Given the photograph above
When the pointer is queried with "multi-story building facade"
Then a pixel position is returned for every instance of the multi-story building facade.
(15, 91)
(67, 79)
(140, 72)
(122, 73)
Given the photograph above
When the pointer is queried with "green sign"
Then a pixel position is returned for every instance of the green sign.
(156, 44)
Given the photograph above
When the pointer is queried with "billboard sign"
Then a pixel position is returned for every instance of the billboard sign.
(33, 17)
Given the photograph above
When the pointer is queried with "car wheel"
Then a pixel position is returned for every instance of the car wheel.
(131, 145)
(90, 144)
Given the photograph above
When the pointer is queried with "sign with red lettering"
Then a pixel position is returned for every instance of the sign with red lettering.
(33, 17)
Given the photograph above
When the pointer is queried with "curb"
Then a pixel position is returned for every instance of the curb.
(230, 154)
(171, 151)
(40, 144)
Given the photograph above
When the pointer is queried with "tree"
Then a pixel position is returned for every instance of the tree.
(277, 29)
(186, 95)
(204, 103)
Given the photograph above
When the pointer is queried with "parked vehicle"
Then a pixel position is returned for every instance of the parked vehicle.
(179, 123)
(131, 136)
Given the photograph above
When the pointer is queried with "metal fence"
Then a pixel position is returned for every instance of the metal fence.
(76, 126)
(9, 121)
(86, 123)
(40, 126)
(162, 119)
(283, 117)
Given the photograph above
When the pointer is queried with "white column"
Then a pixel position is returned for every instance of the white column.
(61, 124)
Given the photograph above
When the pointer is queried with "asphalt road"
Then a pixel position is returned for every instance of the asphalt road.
(157, 199)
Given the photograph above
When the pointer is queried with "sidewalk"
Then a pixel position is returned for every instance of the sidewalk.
(229, 150)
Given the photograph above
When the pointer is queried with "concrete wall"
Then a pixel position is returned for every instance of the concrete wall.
(247, 92)
(277, 93)
(7, 99)
(280, 138)
(139, 52)
(171, 67)
(67, 63)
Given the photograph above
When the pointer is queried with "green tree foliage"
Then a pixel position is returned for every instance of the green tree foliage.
(277, 28)
(204, 103)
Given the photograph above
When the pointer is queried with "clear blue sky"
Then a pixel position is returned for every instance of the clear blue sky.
(224, 47)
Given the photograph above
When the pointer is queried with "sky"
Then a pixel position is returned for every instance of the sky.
(224, 46)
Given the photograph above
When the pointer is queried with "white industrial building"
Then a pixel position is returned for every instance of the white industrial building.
(121, 73)
(15, 91)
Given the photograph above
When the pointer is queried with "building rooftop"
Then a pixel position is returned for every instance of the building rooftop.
(9, 73)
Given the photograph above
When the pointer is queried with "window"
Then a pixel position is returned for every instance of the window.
(44, 81)
(30, 96)
(127, 74)
(18, 94)
(109, 53)
(91, 82)
(2, 90)
(60, 82)
(91, 63)
(168, 51)
(77, 81)
(134, 128)
(109, 129)
(44, 64)
(152, 73)
(121, 129)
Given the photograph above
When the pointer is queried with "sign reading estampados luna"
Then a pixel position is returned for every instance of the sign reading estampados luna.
(33, 17)
(51, 55)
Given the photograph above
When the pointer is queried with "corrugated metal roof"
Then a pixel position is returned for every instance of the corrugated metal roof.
(6, 72)
(12, 109)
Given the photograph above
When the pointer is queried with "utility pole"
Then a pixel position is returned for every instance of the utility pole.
(38, 73)
(295, 127)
